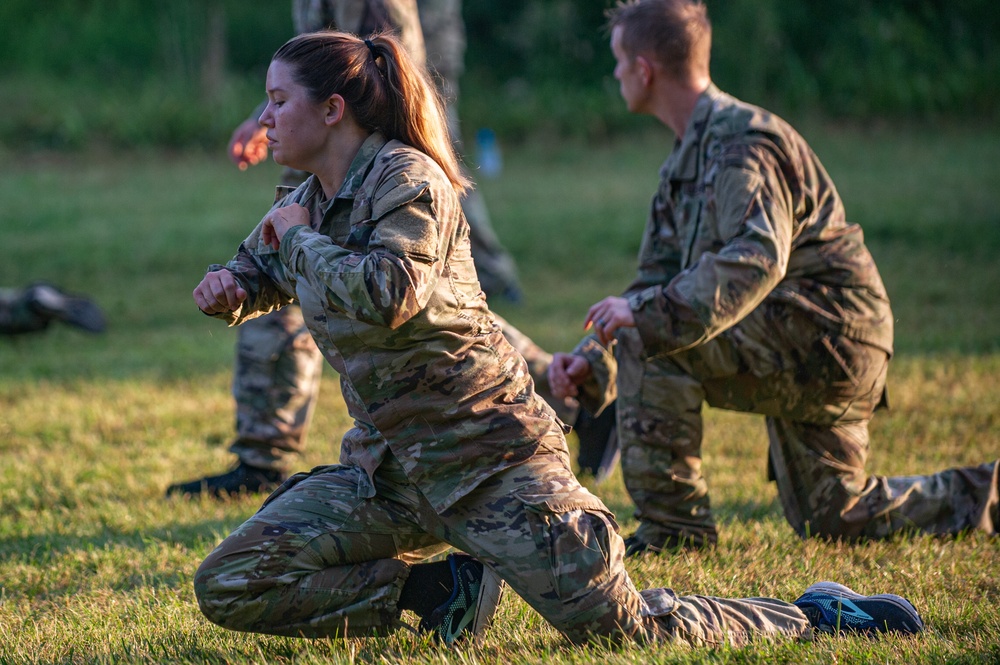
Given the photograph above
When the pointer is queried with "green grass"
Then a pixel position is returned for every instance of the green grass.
(95, 566)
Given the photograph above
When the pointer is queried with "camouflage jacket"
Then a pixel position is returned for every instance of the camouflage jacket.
(744, 212)
(385, 279)
(362, 17)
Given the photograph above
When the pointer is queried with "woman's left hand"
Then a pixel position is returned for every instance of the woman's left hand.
(278, 221)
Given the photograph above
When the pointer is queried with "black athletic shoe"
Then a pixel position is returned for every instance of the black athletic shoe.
(599, 451)
(76, 311)
(242, 479)
(473, 602)
(834, 608)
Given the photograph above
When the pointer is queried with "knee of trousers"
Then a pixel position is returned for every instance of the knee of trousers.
(577, 579)
(216, 599)
(610, 613)
(223, 589)
(822, 516)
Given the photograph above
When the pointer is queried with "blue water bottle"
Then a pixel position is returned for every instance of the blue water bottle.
(488, 153)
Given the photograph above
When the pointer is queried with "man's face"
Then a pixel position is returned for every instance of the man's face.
(628, 72)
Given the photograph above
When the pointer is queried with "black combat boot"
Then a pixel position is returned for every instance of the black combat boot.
(242, 479)
(599, 451)
(54, 304)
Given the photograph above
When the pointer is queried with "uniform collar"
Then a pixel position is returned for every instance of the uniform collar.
(683, 161)
(356, 173)
(361, 165)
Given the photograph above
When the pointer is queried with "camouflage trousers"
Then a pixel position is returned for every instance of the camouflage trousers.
(818, 392)
(275, 385)
(329, 552)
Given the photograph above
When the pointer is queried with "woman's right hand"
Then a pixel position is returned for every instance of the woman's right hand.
(566, 372)
(218, 292)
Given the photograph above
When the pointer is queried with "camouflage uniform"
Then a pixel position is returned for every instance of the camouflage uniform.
(278, 367)
(450, 444)
(444, 36)
(363, 17)
(755, 294)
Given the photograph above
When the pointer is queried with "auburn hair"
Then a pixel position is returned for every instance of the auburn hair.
(385, 90)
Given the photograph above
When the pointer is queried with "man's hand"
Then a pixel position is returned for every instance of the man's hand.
(608, 316)
(219, 292)
(278, 221)
(248, 144)
(566, 372)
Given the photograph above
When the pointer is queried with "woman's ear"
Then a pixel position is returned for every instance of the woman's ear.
(335, 107)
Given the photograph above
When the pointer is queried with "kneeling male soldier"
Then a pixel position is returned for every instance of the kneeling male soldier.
(753, 294)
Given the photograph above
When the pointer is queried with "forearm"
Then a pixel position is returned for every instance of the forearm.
(700, 304)
(262, 293)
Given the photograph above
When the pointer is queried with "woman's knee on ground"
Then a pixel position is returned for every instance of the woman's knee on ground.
(221, 586)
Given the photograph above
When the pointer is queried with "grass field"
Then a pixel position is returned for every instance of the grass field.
(96, 566)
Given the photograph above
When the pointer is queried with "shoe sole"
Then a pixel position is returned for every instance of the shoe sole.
(835, 589)
(490, 592)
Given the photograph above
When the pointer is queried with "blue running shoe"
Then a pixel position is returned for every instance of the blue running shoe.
(834, 608)
(473, 602)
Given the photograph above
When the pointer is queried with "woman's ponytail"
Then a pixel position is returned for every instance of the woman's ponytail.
(385, 90)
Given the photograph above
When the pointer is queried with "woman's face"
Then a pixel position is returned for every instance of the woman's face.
(296, 127)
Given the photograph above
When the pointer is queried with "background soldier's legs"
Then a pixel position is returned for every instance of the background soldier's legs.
(825, 491)
(819, 401)
(275, 385)
(660, 432)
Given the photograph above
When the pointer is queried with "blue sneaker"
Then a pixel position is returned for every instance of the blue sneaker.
(834, 608)
(473, 602)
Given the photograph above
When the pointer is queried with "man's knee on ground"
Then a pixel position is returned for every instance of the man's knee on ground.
(826, 521)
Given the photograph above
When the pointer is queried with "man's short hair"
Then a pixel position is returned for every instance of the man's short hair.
(677, 33)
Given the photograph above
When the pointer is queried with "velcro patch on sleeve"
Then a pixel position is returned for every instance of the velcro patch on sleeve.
(411, 232)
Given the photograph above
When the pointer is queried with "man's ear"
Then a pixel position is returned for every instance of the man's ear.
(335, 107)
(645, 68)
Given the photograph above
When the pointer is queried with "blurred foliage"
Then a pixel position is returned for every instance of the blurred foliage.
(853, 59)
(127, 41)
(126, 72)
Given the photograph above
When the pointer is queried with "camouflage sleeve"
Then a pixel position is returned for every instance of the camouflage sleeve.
(660, 254)
(601, 388)
(722, 287)
(313, 15)
(251, 272)
(392, 281)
